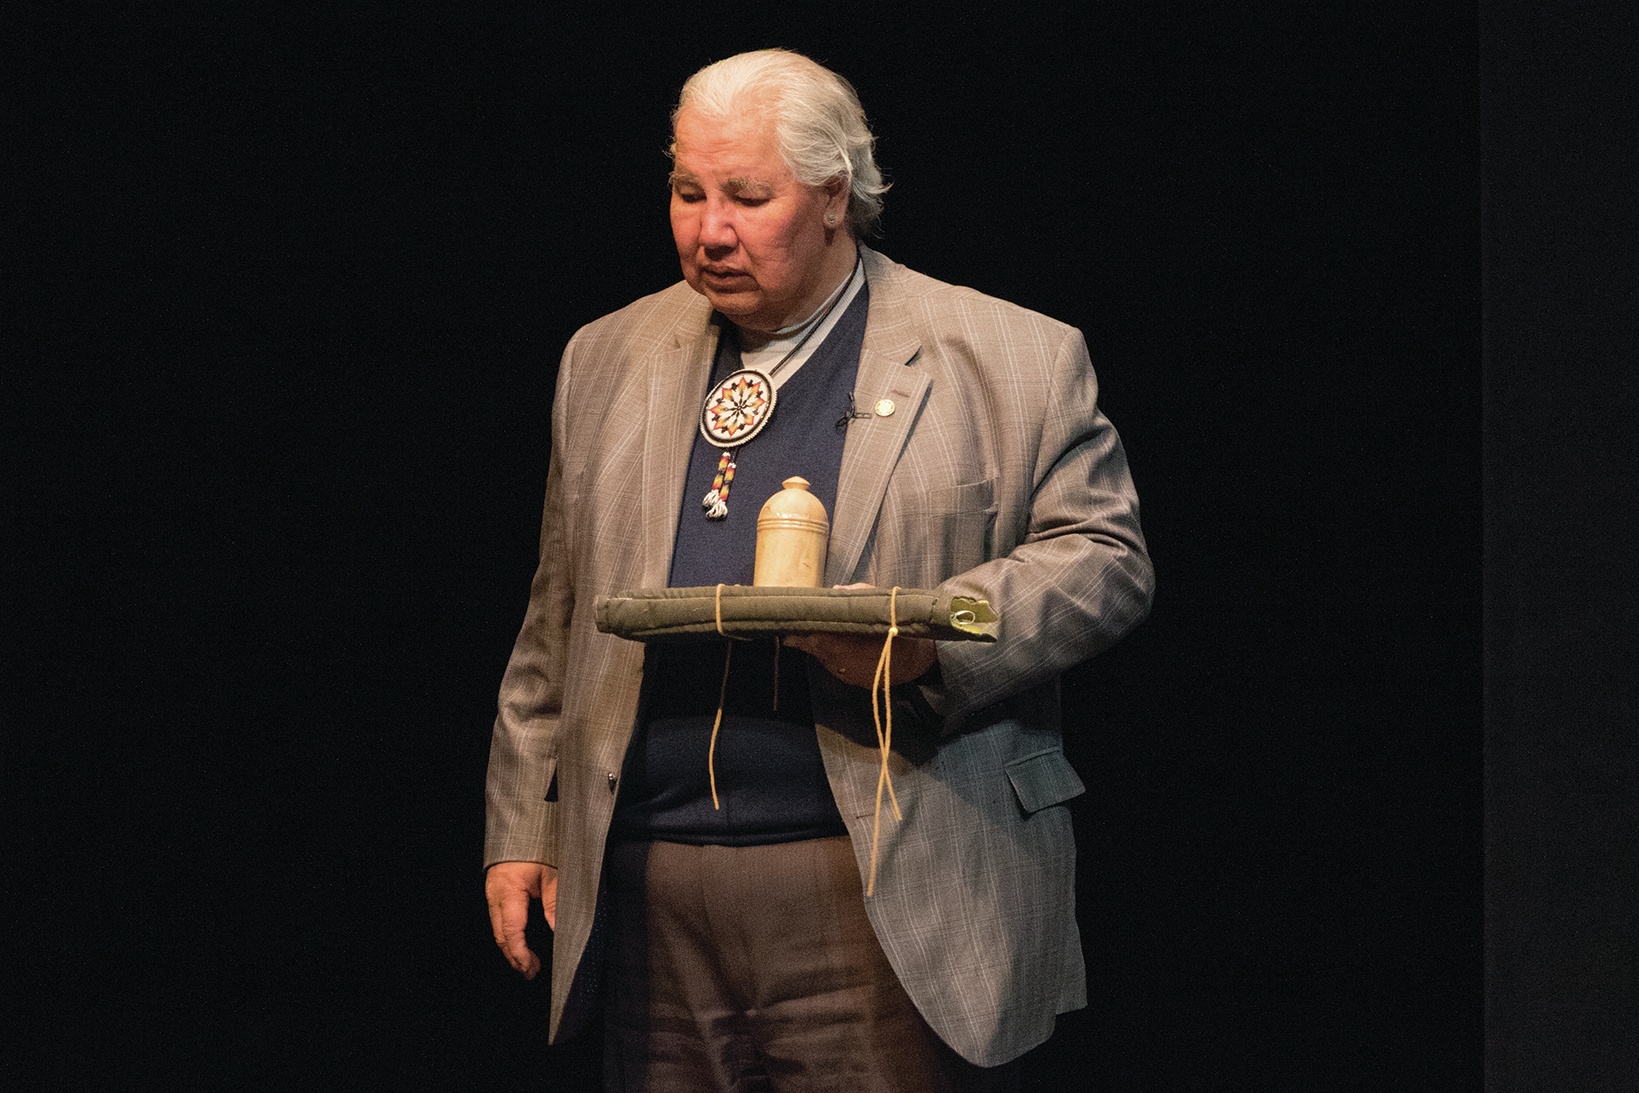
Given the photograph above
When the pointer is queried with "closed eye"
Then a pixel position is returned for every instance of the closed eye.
(685, 187)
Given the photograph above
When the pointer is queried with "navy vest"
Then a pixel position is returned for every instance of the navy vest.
(770, 778)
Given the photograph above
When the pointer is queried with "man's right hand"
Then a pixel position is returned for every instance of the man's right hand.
(508, 888)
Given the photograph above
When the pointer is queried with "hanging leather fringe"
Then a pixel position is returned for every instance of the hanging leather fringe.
(880, 686)
(722, 693)
(881, 717)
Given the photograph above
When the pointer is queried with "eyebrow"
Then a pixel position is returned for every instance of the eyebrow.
(739, 185)
(748, 187)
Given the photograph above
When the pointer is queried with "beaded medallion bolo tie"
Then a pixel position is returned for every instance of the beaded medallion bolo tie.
(739, 407)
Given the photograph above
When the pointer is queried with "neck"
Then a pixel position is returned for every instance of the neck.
(797, 334)
(818, 314)
(840, 275)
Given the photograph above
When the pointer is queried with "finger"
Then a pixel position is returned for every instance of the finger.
(549, 902)
(520, 955)
(822, 647)
(507, 917)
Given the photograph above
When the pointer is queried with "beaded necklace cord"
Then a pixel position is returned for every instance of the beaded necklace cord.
(738, 408)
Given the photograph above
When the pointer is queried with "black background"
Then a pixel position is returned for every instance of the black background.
(1561, 231)
(302, 280)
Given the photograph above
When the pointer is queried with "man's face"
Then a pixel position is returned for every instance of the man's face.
(752, 239)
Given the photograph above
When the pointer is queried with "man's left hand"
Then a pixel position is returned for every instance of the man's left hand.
(852, 658)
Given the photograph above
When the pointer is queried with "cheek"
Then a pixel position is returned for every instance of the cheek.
(799, 251)
(779, 245)
(685, 227)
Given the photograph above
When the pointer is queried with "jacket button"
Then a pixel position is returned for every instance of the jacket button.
(611, 781)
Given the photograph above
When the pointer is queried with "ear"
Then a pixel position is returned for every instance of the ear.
(836, 199)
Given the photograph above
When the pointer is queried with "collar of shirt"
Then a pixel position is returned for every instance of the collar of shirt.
(769, 353)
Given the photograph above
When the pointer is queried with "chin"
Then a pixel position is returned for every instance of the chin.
(736, 306)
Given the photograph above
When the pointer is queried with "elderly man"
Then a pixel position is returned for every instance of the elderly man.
(956, 441)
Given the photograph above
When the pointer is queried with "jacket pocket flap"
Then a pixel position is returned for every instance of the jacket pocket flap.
(1045, 778)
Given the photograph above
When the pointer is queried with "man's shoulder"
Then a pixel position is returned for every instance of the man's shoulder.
(657, 319)
(932, 300)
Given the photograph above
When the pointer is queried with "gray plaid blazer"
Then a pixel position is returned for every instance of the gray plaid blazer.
(995, 474)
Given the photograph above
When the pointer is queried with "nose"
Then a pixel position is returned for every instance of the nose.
(717, 231)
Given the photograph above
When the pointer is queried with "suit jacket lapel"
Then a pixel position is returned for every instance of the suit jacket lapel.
(888, 369)
(677, 382)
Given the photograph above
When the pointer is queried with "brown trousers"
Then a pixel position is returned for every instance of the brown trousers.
(734, 969)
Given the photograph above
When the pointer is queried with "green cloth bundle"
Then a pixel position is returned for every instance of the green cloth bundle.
(660, 614)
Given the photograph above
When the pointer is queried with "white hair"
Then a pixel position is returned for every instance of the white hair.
(819, 124)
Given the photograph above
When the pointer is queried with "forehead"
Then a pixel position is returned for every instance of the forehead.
(739, 146)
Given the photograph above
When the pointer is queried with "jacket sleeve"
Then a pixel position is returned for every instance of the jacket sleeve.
(520, 821)
(1080, 576)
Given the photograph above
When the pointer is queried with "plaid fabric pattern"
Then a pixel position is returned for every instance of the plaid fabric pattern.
(996, 476)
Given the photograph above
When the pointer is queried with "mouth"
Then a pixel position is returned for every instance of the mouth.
(718, 275)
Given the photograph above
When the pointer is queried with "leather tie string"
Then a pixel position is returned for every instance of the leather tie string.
(881, 685)
(722, 693)
(881, 717)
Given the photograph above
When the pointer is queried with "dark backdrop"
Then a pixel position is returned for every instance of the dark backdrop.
(1561, 153)
(306, 278)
